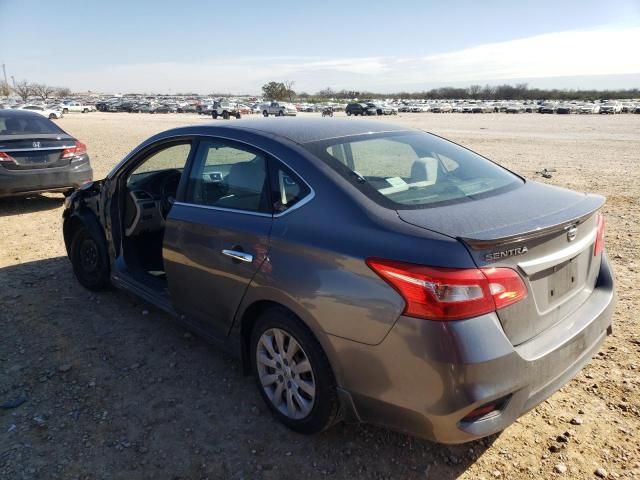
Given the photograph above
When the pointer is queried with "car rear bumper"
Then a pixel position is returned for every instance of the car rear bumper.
(425, 377)
(13, 182)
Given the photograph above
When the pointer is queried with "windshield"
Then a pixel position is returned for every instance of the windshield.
(413, 170)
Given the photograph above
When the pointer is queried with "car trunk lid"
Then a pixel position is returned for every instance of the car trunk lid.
(34, 151)
(545, 233)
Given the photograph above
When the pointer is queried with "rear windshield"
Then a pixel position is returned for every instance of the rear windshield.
(413, 170)
(27, 124)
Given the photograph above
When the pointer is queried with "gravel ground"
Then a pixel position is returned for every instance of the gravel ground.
(109, 387)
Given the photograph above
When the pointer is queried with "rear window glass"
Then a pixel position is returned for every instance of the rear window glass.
(413, 170)
(26, 125)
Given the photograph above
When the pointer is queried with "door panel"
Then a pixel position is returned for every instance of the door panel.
(206, 284)
(217, 236)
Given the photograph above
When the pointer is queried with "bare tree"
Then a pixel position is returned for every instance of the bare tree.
(5, 90)
(289, 86)
(43, 91)
(23, 89)
(63, 92)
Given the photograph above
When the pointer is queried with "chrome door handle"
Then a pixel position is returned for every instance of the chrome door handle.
(236, 255)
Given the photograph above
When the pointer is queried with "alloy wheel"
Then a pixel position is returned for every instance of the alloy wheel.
(285, 373)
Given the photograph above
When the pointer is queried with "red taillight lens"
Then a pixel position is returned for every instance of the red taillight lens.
(5, 157)
(450, 294)
(78, 149)
(599, 244)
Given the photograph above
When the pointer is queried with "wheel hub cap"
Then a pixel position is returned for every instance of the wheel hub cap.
(285, 373)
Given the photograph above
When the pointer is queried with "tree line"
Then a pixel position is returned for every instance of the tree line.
(520, 91)
(25, 89)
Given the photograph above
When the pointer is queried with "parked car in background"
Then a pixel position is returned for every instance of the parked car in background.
(548, 108)
(38, 156)
(360, 109)
(515, 108)
(43, 110)
(225, 110)
(279, 109)
(448, 297)
(564, 108)
(77, 107)
(610, 108)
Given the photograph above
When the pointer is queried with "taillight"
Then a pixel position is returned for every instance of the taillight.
(450, 293)
(78, 149)
(5, 157)
(599, 244)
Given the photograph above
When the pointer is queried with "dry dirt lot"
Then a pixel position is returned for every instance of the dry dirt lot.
(112, 388)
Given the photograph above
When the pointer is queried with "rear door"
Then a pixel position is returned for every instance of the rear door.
(217, 233)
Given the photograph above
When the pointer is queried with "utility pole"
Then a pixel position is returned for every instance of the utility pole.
(14, 81)
(4, 70)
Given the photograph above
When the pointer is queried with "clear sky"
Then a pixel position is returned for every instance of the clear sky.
(237, 46)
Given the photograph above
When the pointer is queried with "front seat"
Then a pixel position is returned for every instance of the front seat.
(424, 169)
(245, 183)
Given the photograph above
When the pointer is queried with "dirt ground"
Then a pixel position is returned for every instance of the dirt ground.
(114, 389)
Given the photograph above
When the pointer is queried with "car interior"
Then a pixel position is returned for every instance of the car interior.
(151, 190)
(222, 177)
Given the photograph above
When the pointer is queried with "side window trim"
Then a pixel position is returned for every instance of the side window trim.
(270, 159)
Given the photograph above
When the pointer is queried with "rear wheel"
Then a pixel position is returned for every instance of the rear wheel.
(214, 115)
(292, 372)
(52, 116)
(349, 113)
(238, 116)
(89, 260)
(65, 110)
(281, 113)
(265, 113)
(225, 115)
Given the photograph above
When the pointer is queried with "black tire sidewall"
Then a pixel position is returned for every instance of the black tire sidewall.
(92, 281)
(325, 408)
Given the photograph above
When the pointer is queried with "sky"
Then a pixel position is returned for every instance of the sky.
(221, 46)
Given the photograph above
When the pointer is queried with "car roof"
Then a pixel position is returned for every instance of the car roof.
(7, 113)
(306, 130)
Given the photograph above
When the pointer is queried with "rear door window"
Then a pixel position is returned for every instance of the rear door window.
(229, 175)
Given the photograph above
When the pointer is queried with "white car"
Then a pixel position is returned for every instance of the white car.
(279, 109)
(50, 113)
(611, 107)
(77, 107)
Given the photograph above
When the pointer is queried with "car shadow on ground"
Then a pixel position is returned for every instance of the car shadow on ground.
(117, 385)
(29, 204)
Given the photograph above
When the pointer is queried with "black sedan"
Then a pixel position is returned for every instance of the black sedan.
(38, 156)
(360, 270)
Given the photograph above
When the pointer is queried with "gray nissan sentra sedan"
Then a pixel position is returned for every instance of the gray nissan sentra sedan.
(361, 271)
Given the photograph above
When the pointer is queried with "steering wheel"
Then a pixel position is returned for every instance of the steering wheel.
(168, 192)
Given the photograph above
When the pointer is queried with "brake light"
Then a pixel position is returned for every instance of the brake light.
(599, 244)
(450, 293)
(5, 157)
(78, 149)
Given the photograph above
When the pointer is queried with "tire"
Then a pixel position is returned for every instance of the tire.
(225, 115)
(238, 116)
(65, 110)
(281, 113)
(85, 110)
(52, 116)
(265, 113)
(349, 113)
(214, 115)
(89, 260)
(312, 413)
